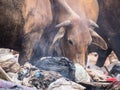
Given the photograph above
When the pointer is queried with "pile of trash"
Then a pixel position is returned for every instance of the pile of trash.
(56, 73)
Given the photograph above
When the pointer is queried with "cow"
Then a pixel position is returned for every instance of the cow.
(109, 29)
(21, 24)
(79, 28)
(38, 28)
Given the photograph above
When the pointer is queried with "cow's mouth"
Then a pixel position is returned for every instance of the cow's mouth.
(80, 58)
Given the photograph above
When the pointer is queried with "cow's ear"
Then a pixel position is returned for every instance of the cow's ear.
(64, 23)
(59, 35)
(98, 40)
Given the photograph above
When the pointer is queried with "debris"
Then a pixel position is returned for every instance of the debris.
(59, 64)
(8, 61)
(97, 75)
(80, 74)
(42, 79)
(96, 85)
(4, 75)
(57, 73)
(111, 79)
(10, 65)
(4, 57)
(115, 85)
(114, 70)
(64, 84)
(32, 76)
(9, 85)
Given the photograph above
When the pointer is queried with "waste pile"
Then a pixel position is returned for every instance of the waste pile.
(56, 73)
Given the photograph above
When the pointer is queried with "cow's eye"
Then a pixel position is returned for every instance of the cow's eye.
(70, 42)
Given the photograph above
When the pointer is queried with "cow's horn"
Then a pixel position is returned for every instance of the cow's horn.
(98, 40)
(93, 24)
(65, 23)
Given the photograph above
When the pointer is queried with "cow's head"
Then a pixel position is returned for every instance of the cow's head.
(75, 35)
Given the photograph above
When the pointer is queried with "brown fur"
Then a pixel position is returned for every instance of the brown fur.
(78, 33)
(29, 27)
(21, 18)
(109, 29)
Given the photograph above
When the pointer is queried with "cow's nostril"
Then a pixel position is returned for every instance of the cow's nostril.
(70, 42)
